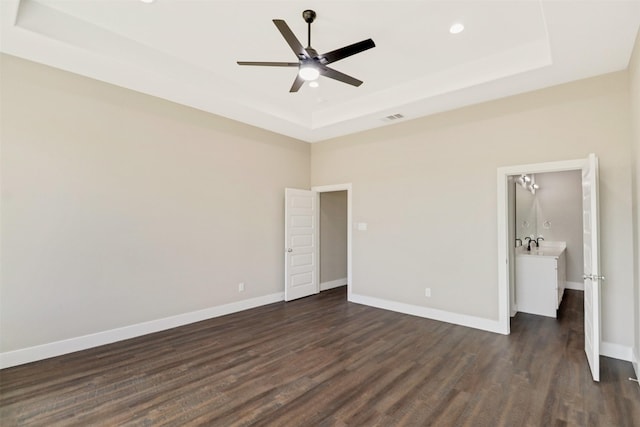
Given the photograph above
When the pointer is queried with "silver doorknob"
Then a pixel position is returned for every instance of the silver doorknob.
(289, 250)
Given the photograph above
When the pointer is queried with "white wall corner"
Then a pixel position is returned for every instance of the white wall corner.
(58, 348)
(616, 351)
(333, 284)
(431, 313)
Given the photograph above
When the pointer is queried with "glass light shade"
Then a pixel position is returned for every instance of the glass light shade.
(456, 28)
(308, 72)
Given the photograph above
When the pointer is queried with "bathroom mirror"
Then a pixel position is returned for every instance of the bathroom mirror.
(526, 213)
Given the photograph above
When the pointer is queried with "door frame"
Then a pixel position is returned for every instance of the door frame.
(504, 243)
(329, 189)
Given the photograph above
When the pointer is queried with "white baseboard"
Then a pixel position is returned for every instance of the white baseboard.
(333, 284)
(57, 348)
(636, 366)
(607, 349)
(578, 286)
(616, 351)
(430, 313)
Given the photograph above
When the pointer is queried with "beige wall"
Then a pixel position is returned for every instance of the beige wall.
(427, 189)
(634, 79)
(333, 236)
(119, 208)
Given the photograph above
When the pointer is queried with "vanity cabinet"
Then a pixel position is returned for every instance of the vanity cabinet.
(540, 280)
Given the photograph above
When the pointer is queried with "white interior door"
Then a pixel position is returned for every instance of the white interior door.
(592, 274)
(301, 237)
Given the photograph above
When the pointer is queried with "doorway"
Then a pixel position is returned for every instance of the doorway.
(548, 213)
(302, 235)
(334, 236)
(592, 276)
(333, 239)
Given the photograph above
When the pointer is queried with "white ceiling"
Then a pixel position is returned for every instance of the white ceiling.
(186, 51)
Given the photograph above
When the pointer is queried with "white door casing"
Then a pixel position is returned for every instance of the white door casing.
(505, 239)
(348, 188)
(592, 274)
(301, 254)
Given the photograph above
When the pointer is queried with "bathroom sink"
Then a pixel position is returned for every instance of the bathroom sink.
(553, 249)
(532, 252)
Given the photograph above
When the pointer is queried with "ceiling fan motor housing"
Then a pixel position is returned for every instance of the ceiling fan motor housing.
(309, 16)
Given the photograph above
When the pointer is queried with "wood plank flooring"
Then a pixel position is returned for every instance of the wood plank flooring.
(322, 361)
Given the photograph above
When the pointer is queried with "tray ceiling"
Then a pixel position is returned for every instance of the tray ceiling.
(186, 52)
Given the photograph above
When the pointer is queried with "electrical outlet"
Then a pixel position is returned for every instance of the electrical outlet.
(241, 287)
(427, 292)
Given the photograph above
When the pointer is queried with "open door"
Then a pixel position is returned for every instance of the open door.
(300, 229)
(592, 274)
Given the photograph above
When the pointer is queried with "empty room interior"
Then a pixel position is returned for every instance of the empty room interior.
(347, 213)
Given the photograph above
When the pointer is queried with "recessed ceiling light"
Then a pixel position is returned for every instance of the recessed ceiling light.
(147, 1)
(456, 28)
(314, 84)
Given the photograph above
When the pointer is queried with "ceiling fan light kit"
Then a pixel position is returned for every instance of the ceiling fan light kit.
(308, 72)
(310, 64)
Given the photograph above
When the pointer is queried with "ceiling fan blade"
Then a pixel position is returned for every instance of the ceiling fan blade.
(297, 84)
(343, 52)
(291, 39)
(337, 75)
(270, 64)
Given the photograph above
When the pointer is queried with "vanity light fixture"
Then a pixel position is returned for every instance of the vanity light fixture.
(528, 183)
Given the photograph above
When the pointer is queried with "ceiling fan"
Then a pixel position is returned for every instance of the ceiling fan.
(311, 65)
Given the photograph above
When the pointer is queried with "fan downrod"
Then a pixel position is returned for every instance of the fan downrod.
(309, 16)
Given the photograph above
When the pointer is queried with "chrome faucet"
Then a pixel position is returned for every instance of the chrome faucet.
(518, 240)
(529, 244)
(538, 241)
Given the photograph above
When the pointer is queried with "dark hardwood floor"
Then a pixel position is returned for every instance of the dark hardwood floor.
(322, 361)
